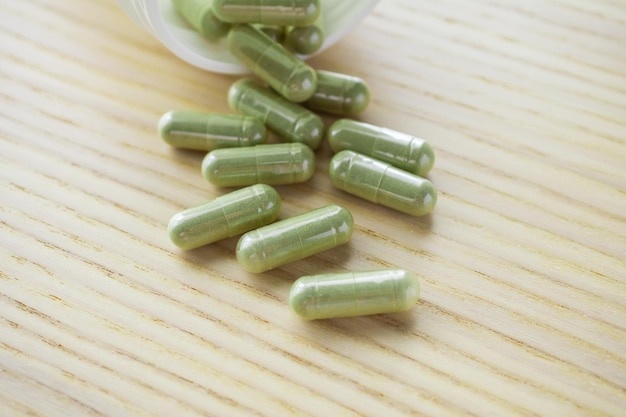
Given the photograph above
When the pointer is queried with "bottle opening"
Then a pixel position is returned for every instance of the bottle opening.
(160, 18)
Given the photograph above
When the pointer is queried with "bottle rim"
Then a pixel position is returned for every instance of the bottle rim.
(159, 17)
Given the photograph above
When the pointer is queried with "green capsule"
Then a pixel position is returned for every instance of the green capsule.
(294, 238)
(381, 183)
(354, 294)
(283, 163)
(270, 61)
(199, 14)
(226, 216)
(268, 12)
(289, 120)
(306, 40)
(340, 94)
(206, 131)
(275, 33)
(403, 151)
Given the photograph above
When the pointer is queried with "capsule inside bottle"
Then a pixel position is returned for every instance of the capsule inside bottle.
(201, 16)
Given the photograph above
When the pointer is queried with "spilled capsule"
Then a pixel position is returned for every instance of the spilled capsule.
(226, 216)
(354, 294)
(270, 61)
(340, 94)
(294, 238)
(289, 120)
(401, 150)
(282, 163)
(382, 183)
(207, 131)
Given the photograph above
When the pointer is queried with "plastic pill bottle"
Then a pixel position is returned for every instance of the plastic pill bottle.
(159, 18)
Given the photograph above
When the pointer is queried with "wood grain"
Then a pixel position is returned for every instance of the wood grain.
(523, 262)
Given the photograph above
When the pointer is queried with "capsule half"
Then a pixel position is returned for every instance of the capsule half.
(354, 294)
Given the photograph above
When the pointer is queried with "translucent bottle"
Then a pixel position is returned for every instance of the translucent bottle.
(159, 18)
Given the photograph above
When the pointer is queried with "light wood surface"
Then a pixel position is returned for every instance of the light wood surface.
(522, 263)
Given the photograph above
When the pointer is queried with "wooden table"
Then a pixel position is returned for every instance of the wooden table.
(522, 263)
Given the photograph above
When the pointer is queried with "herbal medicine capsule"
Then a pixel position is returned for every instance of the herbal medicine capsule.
(403, 151)
(294, 238)
(339, 94)
(275, 33)
(306, 40)
(381, 183)
(205, 131)
(268, 12)
(289, 120)
(283, 163)
(354, 294)
(270, 61)
(226, 216)
(199, 14)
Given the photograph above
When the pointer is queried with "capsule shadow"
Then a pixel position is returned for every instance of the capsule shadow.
(275, 281)
(191, 155)
(214, 252)
(329, 261)
(376, 326)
